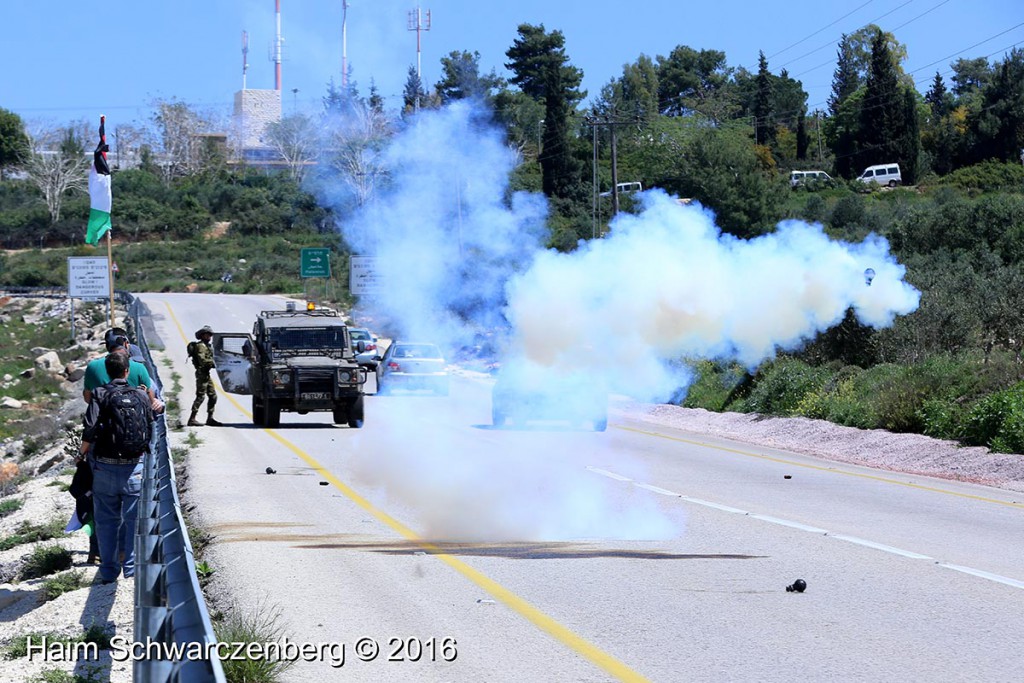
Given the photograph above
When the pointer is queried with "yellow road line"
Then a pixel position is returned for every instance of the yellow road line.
(562, 634)
(821, 468)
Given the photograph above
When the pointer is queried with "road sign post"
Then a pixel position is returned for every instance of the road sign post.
(364, 278)
(315, 262)
(88, 278)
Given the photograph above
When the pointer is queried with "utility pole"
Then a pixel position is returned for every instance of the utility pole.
(615, 175)
(416, 24)
(817, 119)
(594, 123)
(593, 210)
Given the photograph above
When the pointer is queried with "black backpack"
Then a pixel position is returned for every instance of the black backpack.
(192, 349)
(125, 415)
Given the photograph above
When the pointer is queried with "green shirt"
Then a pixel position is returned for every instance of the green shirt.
(96, 374)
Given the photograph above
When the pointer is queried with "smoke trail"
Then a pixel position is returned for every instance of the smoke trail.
(667, 284)
(445, 237)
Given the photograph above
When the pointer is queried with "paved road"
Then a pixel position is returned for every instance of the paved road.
(549, 554)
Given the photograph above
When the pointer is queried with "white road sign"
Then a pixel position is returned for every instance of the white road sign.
(364, 278)
(88, 278)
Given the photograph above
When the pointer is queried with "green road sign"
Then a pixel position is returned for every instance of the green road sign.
(316, 263)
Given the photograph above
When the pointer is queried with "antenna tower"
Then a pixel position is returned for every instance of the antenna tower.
(245, 56)
(344, 44)
(416, 24)
(277, 46)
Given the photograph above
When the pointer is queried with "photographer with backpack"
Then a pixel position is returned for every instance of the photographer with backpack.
(118, 425)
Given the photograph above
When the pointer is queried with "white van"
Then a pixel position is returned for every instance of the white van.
(883, 174)
(802, 177)
(626, 188)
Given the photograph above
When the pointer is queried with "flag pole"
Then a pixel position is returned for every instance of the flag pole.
(110, 257)
(110, 274)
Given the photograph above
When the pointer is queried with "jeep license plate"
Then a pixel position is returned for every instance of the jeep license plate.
(315, 396)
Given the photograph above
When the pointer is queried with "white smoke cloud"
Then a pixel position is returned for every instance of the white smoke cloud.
(667, 284)
(445, 239)
(457, 254)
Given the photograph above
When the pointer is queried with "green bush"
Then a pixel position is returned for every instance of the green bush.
(838, 400)
(261, 624)
(63, 583)
(781, 385)
(997, 421)
(46, 560)
(987, 176)
(711, 386)
(10, 506)
(27, 532)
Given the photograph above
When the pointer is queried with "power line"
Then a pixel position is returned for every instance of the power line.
(966, 48)
(833, 42)
(821, 29)
(909, 21)
(920, 15)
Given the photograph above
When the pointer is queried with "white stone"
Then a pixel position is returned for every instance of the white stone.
(8, 402)
(50, 362)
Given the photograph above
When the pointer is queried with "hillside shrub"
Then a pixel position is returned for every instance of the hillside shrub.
(781, 385)
(997, 421)
(987, 176)
(711, 386)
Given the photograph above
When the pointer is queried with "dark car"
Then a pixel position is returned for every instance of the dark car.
(520, 397)
(412, 365)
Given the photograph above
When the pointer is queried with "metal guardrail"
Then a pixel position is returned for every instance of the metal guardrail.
(169, 604)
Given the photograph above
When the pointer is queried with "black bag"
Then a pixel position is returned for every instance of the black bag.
(125, 415)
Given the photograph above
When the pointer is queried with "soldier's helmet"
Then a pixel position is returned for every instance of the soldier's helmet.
(203, 330)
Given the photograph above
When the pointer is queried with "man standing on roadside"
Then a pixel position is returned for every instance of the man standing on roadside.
(138, 376)
(117, 429)
(201, 354)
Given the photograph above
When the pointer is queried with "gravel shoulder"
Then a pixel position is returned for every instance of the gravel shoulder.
(877, 448)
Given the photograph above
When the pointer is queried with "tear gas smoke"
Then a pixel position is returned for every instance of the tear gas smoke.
(457, 254)
(667, 284)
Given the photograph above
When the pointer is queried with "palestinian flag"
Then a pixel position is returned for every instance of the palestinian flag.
(99, 191)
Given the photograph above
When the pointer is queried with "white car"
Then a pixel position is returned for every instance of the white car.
(808, 178)
(412, 365)
(883, 174)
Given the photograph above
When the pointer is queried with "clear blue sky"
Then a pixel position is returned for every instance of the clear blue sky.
(75, 59)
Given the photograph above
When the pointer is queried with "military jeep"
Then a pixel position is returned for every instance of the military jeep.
(294, 360)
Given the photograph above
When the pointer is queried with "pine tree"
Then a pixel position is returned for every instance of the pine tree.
(413, 94)
(542, 71)
(999, 125)
(845, 80)
(882, 120)
(938, 99)
(909, 142)
(764, 126)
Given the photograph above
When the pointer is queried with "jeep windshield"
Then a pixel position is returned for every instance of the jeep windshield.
(307, 341)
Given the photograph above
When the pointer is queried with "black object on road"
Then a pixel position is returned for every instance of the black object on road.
(323, 483)
(271, 470)
(798, 586)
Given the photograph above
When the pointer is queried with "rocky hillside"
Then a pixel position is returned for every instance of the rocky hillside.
(46, 585)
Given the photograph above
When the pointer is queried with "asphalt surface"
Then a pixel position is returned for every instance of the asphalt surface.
(469, 553)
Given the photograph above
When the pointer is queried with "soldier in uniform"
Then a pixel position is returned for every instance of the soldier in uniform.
(203, 360)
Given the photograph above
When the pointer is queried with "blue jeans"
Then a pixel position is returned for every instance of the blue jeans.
(115, 496)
